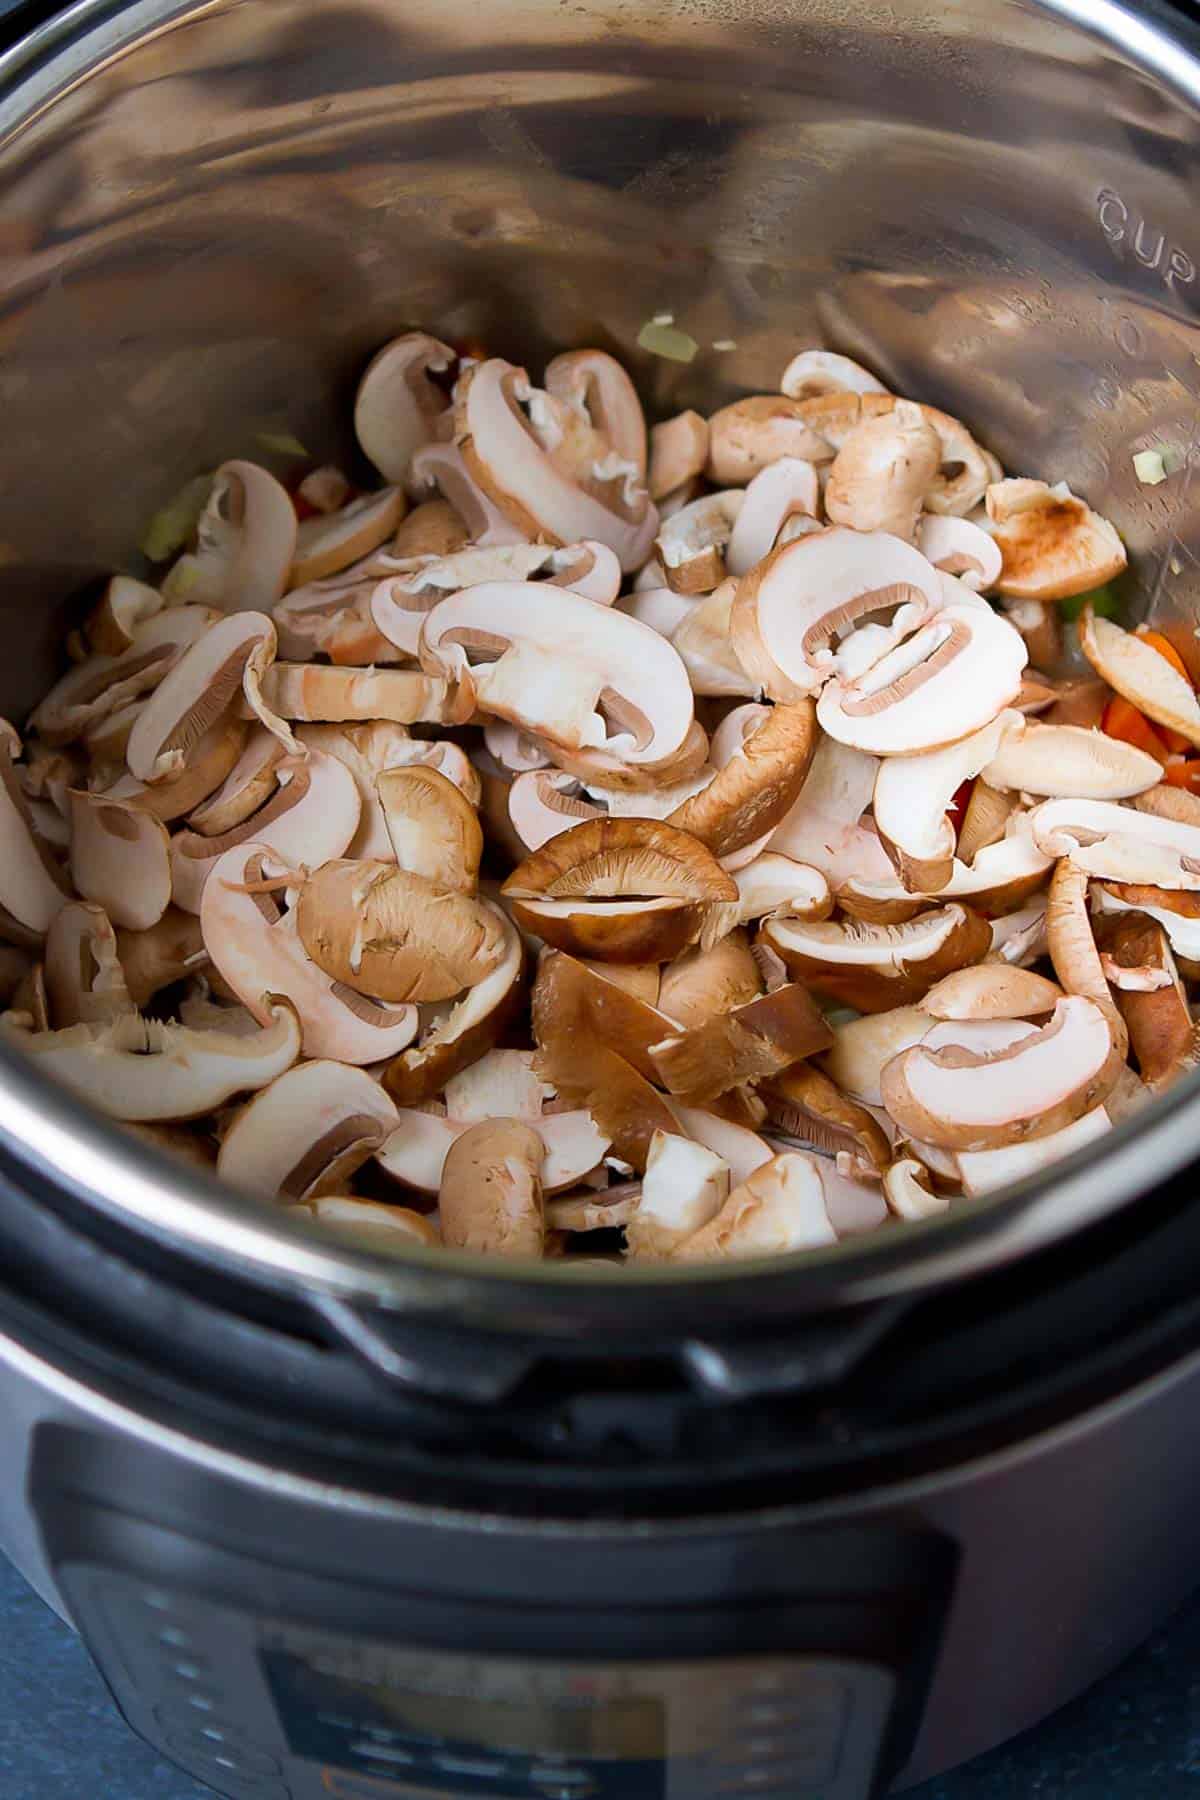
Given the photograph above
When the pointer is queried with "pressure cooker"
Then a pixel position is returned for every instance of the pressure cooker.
(390, 1529)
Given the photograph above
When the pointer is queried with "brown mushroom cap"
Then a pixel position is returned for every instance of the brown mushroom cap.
(125, 604)
(992, 990)
(249, 782)
(433, 828)
(756, 788)
(805, 1103)
(491, 1193)
(702, 983)
(678, 453)
(432, 528)
(306, 1133)
(813, 372)
(748, 435)
(691, 542)
(751, 1042)
(782, 1207)
(883, 471)
(1052, 545)
(875, 968)
(1161, 1033)
(570, 1000)
(455, 1038)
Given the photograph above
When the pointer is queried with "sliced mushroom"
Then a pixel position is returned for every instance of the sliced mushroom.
(250, 782)
(571, 1000)
(749, 1043)
(1040, 625)
(950, 678)
(965, 471)
(596, 386)
(983, 1171)
(755, 789)
(1019, 938)
(120, 858)
(623, 890)
(330, 542)
(209, 764)
(433, 828)
(366, 1225)
(501, 1085)
(432, 528)
(164, 952)
(245, 543)
(443, 467)
(1069, 761)
(913, 795)
(325, 489)
(1078, 701)
(311, 817)
(306, 1133)
(704, 640)
(909, 1196)
(85, 982)
(333, 616)
(700, 984)
(141, 1069)
(655, 605)
(91, 691)
(992, 990)
(863, 1047)
(876, 968)
(192, 697)
(314, 692)
(452, 1038)
(678, 453)
(111, 626)
(812, 372)
(1170, 803)
(1119, 843)
(822, 828)
(750, 434)
(1001, 877)
(565, 668)
(984, 820)
(683, 1188)
(1140, 675)
(791, 609)
(415, 1152)
(883, 471)
(774, 883)
(545, 802)
(1152, 1001)
(691, 543)
(960, 548)
(32, 887)
(255, 948)
(491, 1193)
(777, 494)
(966, 1100)
(1051, 544)
(782, 1207)
(1178, 913)
(397, 407)
(805, 1104)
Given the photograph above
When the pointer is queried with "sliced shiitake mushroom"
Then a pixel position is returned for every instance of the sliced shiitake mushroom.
(451, 1038)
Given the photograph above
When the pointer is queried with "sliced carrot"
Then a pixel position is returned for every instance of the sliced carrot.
(1184, 774)
(1174, 740)
(1122, 720)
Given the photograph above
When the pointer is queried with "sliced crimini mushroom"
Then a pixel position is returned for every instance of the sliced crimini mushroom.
(572, 1000)
(685, 1186)
(92, 690)
(596, 385)
(822, 828)
(368, 1225)
(780, 1208)
(503, 454)
(1118, 843)
(415, 1152)
(432, 528)
(32, 886)
(691, 543)
(812, 372)
(331, 542)
(1019, 938)
(983, 1171)
(332, 617)
(992, 990)
(164, 952)
(791, 609)
(913, 795)
(325, 489)
(85, 982)
(602, 769)
(245, 543)
(863, 1047)
(1166, 802)
(250, 782)
(1051, 544)
(1001, 877)
(775, 495)
(1140, 674)
(309, 818)
(756, 788)
(141, 1069)
(749, 1043)
(883, 471)
(209, 764)
(703, 983)
(656, 606)
(314, 692)
(805, 1103)
(453, 1038)
(490, 1198)
(1177, 912)
(748, 435)
(774, 883)
(623, 1104)
(623, 890)
(400, 601)
(513, 748)
(120, 858)
(433, 828)
(501, 1085)
(965, 470)
(545, 802)
(192, 697)
(442, 467)
(909, 1195)
(1066, 760)
(704, 642)
(966, 1100)
(678, 453)
(111, 626)
(1150, 996)
(306, 1133)
(255, 947)
(960, 548)
(984, 821)
(949, 679)
(581, 675)
(875, 968)
(397, 407)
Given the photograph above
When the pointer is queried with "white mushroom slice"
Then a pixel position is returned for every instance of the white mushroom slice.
(863, 1047)
(165, 952)
(754, 790)
(501, 1085)
(441, 466)
(433, 827)
(949, 679)
(366, 1225)
(752, 433)
(32, 886)
(1067, 760)
(792, 608)
(912, 797)
(983, 1171)
(324, 489)
(774, 883)
(545, 802)
(111, 626)
(684, 1186)
(397, 408)
(582, 675)
(120, 858)
(245, 542)
(1002, 876)
(370, 748)
(400, 602)
(85, 982)
(588, 568)
(503, 454)
(1051, 544)
(314, 692)
(1019, 938)
(691, 543)
(333, 617)
(883, 471)
(1118, 843)
(982, 1036)
(960, 548)
(1140, 675)
(513, 748)
(812, 372)
(490, 1198)
(1176, 912)
(194, 695)
(984, 820)
(91, 691)
(678, 453)
(964, 1100)
(822, 828)
(775, 495)
(657, 607)
(415, 1153)
(141, 1069)
(779, 1209)
(992, 991)
(597, 387)
(704, 641)
(908, 1193)
(965, 469)
(875, 968)
(306, 1133)
(255, 948)
(735, 1144)
(250, 782)
(854, 1201)
(331, 542)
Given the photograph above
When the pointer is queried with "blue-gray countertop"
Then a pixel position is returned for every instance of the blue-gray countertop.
(1134, 1737)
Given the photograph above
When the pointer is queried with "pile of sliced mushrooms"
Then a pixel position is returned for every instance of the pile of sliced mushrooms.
(599, 831)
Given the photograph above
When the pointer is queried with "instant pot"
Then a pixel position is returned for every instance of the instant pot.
(339, 1526)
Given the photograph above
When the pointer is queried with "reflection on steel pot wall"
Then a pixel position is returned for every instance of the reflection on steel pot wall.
(228, 207)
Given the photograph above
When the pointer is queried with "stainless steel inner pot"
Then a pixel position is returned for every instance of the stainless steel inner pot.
(210, 214)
